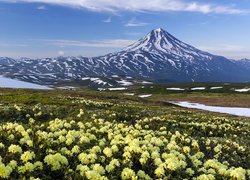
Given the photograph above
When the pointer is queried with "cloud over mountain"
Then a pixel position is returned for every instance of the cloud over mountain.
(141, 5)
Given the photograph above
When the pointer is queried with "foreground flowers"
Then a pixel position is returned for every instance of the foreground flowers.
(104, 148)
(57, 161)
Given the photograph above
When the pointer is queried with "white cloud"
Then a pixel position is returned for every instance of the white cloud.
(142, 5)
(133, 33)
(225, 47)
(13, 45)
(61, 53)
(109, 20)
(229, 51)
(134, 23)
(106, 43)
(41, 8)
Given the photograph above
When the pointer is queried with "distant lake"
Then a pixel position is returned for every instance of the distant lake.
(227, 110)
(12, 83)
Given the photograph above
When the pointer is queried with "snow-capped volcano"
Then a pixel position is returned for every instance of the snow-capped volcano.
(158, 56)
(160, 41)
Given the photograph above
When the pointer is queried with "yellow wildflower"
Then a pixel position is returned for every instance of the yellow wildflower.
(98, 168)
(108, 152)
(128, 174)
(15, 149)
(56, 161)
(5, 171)
(27, 155)
(238, 173)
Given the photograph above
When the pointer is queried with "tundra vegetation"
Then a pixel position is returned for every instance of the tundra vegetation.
(103, 135)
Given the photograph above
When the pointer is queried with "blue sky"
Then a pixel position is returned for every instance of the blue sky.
(45, 28)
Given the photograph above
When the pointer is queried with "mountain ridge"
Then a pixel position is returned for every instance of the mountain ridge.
(158, 56)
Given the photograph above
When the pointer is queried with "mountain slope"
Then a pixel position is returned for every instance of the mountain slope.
(244, 63)
(158, 56)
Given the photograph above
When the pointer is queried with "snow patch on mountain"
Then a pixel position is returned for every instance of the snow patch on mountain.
(125, 83)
